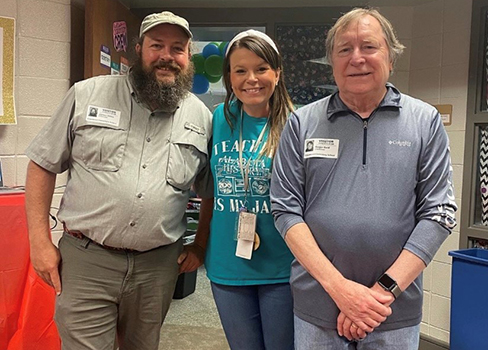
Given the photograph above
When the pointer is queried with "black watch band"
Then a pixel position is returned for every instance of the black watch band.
(390, 285)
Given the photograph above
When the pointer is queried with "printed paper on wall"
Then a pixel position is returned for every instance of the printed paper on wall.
(7, 105)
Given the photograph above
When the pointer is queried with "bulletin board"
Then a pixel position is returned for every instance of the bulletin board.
(474, 213)
(7, 63)
(308, 77)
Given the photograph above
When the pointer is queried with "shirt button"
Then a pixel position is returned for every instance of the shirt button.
(132, 223)
(144, 166)
(148, 139)
(139, 195)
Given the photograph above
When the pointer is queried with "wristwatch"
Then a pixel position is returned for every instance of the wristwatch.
(390, 285)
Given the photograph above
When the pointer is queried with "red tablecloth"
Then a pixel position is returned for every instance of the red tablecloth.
(26, 302)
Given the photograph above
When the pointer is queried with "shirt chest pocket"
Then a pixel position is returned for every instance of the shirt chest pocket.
(187, 156)
(102, 147)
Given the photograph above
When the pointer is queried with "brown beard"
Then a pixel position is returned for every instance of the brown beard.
(164, 95)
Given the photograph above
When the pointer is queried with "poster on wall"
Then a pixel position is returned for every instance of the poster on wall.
(124, 65)
(114, 69)
(7, 105)
(120, 36)
(484, 84)
(308, 78)
(105, 58)
(483, 174)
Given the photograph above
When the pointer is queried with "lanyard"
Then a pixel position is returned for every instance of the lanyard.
(245, 172)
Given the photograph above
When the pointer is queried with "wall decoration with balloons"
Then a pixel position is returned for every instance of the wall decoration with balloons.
(208, 66)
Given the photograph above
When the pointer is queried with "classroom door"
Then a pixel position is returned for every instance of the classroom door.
(110, 33)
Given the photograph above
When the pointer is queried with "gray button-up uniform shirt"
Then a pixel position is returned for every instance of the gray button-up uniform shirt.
(130, 169)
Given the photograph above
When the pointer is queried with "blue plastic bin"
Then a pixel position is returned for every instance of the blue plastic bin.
(469, 299)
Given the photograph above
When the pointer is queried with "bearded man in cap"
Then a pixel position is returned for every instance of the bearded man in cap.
(130, 169)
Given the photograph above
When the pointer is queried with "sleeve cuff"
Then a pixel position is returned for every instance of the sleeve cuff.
(285, 222)
(426, 239)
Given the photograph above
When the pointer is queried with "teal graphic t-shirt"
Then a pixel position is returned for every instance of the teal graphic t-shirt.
(270, 263)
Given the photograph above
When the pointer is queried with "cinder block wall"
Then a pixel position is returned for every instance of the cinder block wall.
(435, 69)
(42, 64)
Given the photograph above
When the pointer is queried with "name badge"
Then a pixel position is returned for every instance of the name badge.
(103, 115)
(321, 148)
(246, 231)
(195, 128)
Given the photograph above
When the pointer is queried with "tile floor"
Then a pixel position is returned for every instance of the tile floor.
(193, 323)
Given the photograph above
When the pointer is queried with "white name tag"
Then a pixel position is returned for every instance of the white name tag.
(321, 148)
(244, 249)
(103, 115)
(195, 128)
(245, 234)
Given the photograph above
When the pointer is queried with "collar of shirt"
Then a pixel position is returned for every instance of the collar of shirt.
(337, 108)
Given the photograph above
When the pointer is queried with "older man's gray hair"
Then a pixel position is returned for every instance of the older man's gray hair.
(395, 48)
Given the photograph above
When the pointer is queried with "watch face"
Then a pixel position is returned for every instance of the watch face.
(386, 281)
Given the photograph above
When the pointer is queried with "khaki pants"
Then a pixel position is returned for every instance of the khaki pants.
(108, 294)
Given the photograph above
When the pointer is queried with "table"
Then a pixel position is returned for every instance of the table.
(26, 302)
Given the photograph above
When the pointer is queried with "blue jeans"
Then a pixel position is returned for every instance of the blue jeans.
(311, 337)
(256, 317)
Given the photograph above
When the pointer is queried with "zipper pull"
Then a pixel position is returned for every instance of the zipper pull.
(365, 124)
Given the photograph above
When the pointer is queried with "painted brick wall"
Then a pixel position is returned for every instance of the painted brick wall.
(436, 71)
(42, 59)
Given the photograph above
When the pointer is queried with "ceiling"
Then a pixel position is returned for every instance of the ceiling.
(139, 4)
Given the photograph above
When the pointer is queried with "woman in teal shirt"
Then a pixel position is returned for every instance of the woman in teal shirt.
(247, 261)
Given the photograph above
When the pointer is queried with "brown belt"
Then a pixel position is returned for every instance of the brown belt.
(80, 235)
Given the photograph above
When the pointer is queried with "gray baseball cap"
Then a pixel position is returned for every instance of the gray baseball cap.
(155, 19)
